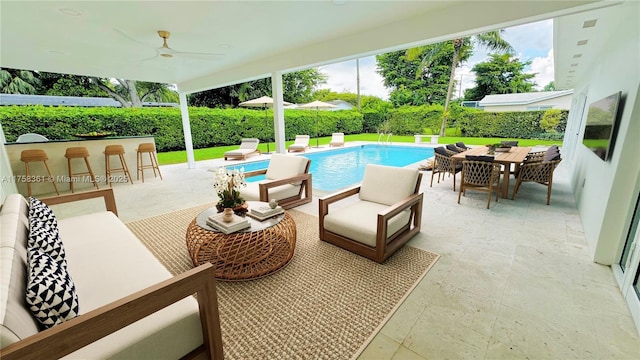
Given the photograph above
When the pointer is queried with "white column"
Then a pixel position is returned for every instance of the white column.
(186, 129)
(278, 111)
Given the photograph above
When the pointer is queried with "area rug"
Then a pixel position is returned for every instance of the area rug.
(326, 304)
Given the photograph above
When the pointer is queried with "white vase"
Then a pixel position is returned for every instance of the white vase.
(227, 215)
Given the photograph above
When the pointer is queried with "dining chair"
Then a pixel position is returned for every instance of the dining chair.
(444, 164)
(454, 148)
(540, 172)
(482, 174)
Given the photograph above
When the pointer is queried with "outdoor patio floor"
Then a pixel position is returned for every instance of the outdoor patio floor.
(515, 281)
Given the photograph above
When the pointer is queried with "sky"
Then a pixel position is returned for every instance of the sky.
(532, 42)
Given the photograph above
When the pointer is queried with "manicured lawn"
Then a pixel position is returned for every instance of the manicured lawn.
(176, 157)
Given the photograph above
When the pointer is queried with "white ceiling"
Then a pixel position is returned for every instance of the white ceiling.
(254, 38)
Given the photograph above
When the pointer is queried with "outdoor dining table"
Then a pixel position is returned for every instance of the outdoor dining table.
(515, 155)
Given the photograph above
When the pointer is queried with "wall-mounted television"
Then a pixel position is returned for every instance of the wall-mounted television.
(602, 123)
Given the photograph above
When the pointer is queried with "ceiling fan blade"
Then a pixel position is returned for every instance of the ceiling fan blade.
(123, 34)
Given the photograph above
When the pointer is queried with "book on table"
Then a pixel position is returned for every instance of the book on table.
(264, 217)
(266, 210)
(236, 224)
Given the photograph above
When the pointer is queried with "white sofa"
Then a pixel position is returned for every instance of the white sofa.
(118, 282)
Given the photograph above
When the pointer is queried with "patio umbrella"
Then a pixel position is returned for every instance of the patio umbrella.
(317, 105)
(263, 102)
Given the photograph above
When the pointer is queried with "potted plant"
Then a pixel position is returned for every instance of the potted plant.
(227, 184)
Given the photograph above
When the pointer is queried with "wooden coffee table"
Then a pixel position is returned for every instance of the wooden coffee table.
(266, 247)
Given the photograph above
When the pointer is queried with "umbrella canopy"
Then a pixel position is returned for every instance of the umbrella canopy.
(317, 105)
(263, 102)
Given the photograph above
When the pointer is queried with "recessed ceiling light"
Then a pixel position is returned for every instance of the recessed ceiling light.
(582, 42)
(70, 12)
(574, 64)
(575, 56)
(589, 23)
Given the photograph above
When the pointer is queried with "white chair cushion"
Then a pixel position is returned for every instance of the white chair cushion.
(284, 166)
(249, 144)
(252, 191)
(387, 184)
(359, 221)
(239, 152)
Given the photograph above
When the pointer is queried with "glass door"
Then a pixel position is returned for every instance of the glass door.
(627, 270)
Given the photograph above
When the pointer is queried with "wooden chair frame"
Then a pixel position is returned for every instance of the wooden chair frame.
(81, 331)
(290, 202)
(473, 182)
(443, 165)
(385, 245)
(540, 172)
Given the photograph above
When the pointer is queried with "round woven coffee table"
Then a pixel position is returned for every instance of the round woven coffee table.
(264, 248)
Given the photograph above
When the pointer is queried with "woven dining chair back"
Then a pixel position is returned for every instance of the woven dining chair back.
(481, 176)
(443, 164)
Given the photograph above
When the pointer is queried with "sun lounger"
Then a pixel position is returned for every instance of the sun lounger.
(248, 147)
(337, 139)
(300, 144)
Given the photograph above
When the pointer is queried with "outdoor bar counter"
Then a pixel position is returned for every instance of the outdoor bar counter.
(55, 150)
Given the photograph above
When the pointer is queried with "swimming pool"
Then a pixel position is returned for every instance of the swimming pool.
(336, 169)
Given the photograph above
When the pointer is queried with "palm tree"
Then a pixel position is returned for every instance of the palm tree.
(462, 50)
(13, 81)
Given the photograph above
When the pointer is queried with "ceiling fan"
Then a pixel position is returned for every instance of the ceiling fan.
(167, 52)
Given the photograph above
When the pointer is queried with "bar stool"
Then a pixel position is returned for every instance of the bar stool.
(118, 150)
(33, 155)
(150, 149)
(79, 153)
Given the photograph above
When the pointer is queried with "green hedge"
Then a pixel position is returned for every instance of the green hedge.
(209, 127)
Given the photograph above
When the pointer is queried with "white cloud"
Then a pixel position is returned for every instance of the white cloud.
(543, 67)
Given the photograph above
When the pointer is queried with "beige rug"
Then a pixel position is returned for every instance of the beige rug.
(326, 304)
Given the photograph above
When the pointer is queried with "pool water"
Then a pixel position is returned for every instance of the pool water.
(336, 169)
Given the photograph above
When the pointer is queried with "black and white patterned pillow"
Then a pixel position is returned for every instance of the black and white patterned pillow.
(43, 231)
(51, 293)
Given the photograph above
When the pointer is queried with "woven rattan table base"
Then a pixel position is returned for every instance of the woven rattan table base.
(243, 255)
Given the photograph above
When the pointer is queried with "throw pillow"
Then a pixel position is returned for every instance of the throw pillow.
(51, 293)
(43, 231)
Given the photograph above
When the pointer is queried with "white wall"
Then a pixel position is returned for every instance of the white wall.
(7, 185)
(604, 191)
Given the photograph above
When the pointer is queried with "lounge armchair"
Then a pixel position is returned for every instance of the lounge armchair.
(337, 139)
(385, 216)
(539, 171)
(287, 180)
(480, 173)
(443, 164)
(301, 144)
(248, 147)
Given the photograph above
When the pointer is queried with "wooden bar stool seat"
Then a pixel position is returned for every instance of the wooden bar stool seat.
(150, 149)
(117, 150)
(36, 155)
(80, 152)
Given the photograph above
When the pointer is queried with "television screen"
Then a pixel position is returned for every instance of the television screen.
(599, 132)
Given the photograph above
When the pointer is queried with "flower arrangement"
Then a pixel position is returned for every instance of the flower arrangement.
(227, 183)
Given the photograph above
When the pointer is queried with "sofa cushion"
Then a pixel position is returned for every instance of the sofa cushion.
(387, 184)
(441, 150)
(108, 262)
(359, 221)
(552, 154)
(51, 293)
(284, 166)
(43, 231)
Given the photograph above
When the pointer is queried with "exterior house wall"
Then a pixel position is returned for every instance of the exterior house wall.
(561, 102)
(606, 191)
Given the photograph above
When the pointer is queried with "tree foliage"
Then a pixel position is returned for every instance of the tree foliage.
(412, 82)
(297, 87)
(13, 81)
(502, 74)
(462, 50)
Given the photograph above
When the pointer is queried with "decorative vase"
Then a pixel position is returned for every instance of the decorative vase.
(241, 210)
(227, 215)
(273, 203)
